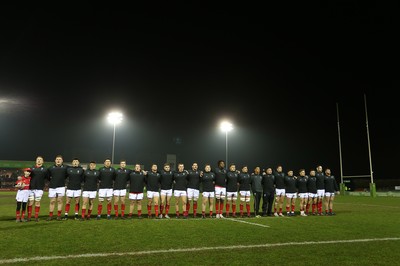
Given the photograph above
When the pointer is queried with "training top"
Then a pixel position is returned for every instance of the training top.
(75, 177)
(268, 183)
(152, 181)
(244, 180)
(38, 177)
(232, 181)
(312, 184)
(207, 181)
(320, 180)
(121, 178)
(166, 179)
(57, 175)
(136, 182)
(279, 179)
(220, 177)
(331, 184)
(301, 184)
(90, 180)
(194, 179)
(256, 183)
(290, 184)
(180, 180)
(106, 177)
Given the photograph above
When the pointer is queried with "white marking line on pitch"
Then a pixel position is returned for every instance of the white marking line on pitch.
(241, 221)
(148, 252)
(369, 205)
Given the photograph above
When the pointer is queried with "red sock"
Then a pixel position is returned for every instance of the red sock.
(99, 209)
(149, 209)
(248, 209)
(67, 206)
(89, 212)
(187, 206)
(274, 209)
(287, 208)
(29, 212)
(50, 214)
(313, 207)
(167, 209)
(139, 212)
(156, 210)
(307, 207)
(23, 215)
(37, 209)
(221, 207)
(330, 210)
(59, 213)
(217, 208)
(122, 210)
(280, 210)
(109, 208)
(83, 213)
(17, 214)
(234, 209)
(227, 208)
(293, 208)
(241, 209)
(76, 208)
(203, 213)
(195, 208)
(211, 213)
(177, 213)
(116, 210)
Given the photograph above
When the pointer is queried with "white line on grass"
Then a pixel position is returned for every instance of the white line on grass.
(369, 205)
(148, 252)
(241, 221)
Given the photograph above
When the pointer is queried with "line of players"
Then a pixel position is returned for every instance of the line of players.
(220, 187)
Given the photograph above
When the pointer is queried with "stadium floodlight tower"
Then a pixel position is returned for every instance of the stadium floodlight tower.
(114, 118)
(226, 127)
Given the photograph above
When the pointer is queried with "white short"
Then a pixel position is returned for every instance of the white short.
(89, 194)
(23, 195)
(320, 193)
(74, 193)
(220, 192)
(58, 191)
(135, 196)
(330, 194)
(119, 192)
(303, 195)
(180, 193)
(291, 195)
(105, 192)
(312, 195)
(245, 193)
(167, 192)
(208, 194)
(153, 194)
(280, 192)
(36, 194)
(193, 193)
(231, 195)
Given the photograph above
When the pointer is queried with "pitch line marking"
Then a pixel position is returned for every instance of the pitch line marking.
(369, 205)
(245, 222)
(149, 252)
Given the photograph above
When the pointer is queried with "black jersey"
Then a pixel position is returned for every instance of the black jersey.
(320, 180)
(232, 181)
(244, 180)
(121, 178)
(38, 177)
(194, 179)
(256, 183)
(290, 184)
(220, 177)
(180, 180)
(279, 180)
(136, 182)
(106, 177)
(90, 179)
(75, 177)
(301, 184)
(268, 183)
(312, 184)
(207, 181)
(152, 181)
(166, 178)
(331, 184)
(57, 175)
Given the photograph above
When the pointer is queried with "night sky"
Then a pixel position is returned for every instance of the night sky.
(176, 71)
